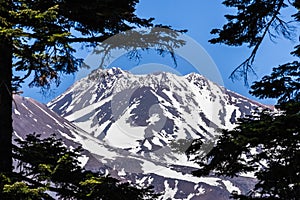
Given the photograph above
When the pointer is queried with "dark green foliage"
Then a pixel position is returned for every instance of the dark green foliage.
(50, 161)
(43, 31)
(47, 165)
(109, 188)
(276, 161)
(253, 22)
(266, 143)
(20, 190)
(283, 83)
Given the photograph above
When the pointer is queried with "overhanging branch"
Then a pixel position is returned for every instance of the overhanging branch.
(244, 68)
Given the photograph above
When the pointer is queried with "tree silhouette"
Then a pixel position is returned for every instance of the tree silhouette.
(254, 22)
(47, 169)
(266, 143)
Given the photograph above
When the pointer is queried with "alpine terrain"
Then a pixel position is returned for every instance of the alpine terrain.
(137, 127)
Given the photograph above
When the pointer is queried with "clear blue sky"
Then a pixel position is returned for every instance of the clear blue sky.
(198, 17)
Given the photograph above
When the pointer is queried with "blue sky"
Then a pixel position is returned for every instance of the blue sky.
(198, 17)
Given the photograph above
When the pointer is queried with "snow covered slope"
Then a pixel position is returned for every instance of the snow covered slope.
(150, 120)
(150, 114)
(173, 181)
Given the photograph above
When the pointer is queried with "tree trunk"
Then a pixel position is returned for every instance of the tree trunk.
(5, 105)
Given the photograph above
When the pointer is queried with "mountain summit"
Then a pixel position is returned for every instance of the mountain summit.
(147, 113)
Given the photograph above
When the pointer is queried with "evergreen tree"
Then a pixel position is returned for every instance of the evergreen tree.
(254, 22)
(36, 39)
(47, 169)
(266, 143)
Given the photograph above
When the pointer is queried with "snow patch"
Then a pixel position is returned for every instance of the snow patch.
(83, 160)
(17, 112)
(230, 187)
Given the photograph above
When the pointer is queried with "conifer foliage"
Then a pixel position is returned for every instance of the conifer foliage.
(47, 169)
(266, 143)
(254, 22)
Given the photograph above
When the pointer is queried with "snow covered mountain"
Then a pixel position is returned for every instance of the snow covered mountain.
(137, 127)
(150, 114)
(173, 181)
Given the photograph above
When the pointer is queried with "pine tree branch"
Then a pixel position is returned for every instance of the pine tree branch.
(247, 64)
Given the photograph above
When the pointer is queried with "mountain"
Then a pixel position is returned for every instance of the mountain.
(153, 119)
(137, 127)
(144, 114)
(30, 116)
(173, 181)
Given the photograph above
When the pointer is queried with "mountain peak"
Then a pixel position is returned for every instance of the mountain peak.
(146, 113)
(100, 73)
